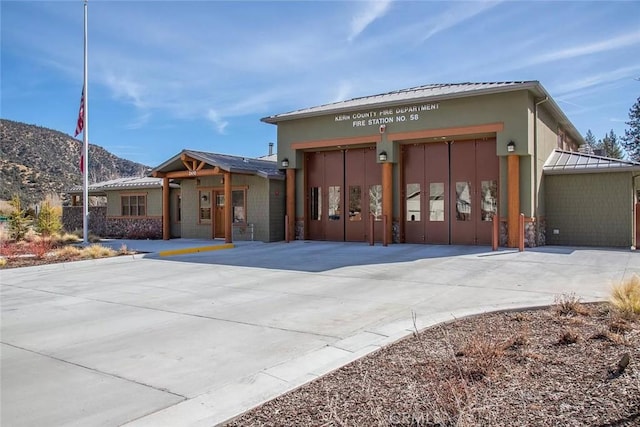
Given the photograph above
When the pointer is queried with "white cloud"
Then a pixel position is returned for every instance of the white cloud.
(455, 15)
(588, 49)
(369, 12)
(597, 79)
(217, 121)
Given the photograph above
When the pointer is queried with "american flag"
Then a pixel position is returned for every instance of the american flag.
(80, 124)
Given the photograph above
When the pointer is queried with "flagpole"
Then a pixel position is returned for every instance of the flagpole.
(85, 140)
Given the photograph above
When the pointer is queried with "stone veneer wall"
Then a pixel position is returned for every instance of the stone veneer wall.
(530, 240)
(72, 219)
(134, 228)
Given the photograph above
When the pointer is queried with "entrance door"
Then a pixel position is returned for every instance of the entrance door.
(325, 195)
(218, 220)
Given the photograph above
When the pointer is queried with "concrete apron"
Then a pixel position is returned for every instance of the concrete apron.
(197, 339)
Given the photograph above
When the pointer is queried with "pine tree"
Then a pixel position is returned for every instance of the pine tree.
(631, 136)
(49, 219)
(19, 221)
(589, 142)
(610, 146)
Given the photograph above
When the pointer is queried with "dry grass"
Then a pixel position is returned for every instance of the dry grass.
(533, 368)
(97, 251)
(625, 297)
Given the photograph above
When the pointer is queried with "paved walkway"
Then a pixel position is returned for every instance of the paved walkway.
(196, 339)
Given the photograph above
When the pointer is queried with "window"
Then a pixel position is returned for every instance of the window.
(238, 204)
(315, 203)
(334, 203)
(178, 207)
(355, 203)
(463, 201)
(489, 200)
(204, 198)
(134, 205)
(436, 201)
(413, 202)
(375, 201)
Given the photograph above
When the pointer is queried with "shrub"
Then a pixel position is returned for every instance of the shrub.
(49, 219)
(625, 297)
(3, 262)
(68, 252)
(19, 221)
(97, 251)
(40, 247)
(569, 305)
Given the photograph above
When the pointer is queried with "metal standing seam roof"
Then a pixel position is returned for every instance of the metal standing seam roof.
(430, 93)
(127, 183)
(567, 162)
(230, 163)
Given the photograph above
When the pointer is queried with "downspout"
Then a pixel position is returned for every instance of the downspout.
(535, 167)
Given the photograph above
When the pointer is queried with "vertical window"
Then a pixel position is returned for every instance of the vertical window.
(315, 200)
(375, 201)
(412, 203)
(355, 203)
(178, 207)
(436, 201)
(489, 200)
(334, 203)
(133, 205)
(205, 206)
(237, 198)
(463, 201)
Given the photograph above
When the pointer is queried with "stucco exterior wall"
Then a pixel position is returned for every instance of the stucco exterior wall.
(512, 109)
(257, 209)
(589, 209)
(154, 201)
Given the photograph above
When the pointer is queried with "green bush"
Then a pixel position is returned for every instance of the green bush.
(49, 219)
(19, 222)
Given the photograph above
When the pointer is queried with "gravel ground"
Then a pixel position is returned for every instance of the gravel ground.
(560, 366)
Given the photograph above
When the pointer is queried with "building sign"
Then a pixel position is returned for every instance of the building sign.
(386, 116)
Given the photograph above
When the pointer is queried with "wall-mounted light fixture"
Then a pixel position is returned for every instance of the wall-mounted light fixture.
(285, 163)
(205, 197)
(222, 180)
(382, 156)
(511, 147)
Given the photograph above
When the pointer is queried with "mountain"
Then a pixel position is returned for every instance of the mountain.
(36, 162)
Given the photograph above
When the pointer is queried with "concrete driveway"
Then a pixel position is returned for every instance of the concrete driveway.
(197, 339)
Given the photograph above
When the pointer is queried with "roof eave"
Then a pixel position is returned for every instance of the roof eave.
(590, 170)
(530, 85)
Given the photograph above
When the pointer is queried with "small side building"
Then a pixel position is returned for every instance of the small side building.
(590, 200)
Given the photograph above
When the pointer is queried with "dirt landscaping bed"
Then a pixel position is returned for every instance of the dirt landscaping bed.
(568, 365)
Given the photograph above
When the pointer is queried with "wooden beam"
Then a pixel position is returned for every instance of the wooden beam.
(228, 212)
(387, 199)
(291, 204)
(194, 173)
(166, 211)
(201, 165)
(513, 199)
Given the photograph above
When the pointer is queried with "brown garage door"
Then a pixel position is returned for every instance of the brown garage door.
(450, 191)
(343, 187)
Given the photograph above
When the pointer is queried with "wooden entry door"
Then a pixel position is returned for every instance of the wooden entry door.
(218, 218)
(325, 195)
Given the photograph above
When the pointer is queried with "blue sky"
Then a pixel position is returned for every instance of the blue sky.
(168, 75)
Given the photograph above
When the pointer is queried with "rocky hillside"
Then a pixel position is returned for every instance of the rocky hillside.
(36, 162)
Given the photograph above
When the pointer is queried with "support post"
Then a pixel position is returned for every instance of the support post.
(495, 235)
(513, 198)
(521, 233)
(286, 228)
(372, 228)
(166, 211)
(290, 229)
(228, 212)
(384, 225)
(387, 201)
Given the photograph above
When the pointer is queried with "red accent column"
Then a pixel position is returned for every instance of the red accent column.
(291, 205)
(228, 212)
(166, 211)
(387, 200)
(513, 196)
